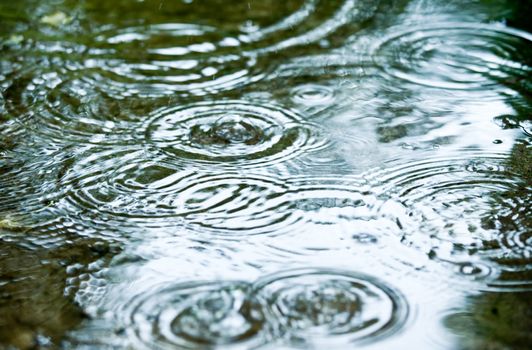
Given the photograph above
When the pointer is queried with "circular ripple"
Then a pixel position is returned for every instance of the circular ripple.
(328, 200)
(237, 205)
(134, 185)
(234, 132)
(463, 209)
(64, 108)
(248, 205)
(253, 205)
(474, 270)
(166, 58)
(188, 48)
(457, 56)
(27, 176)
(312, 95)
(322, 307)
(196, 316)
(122, 183)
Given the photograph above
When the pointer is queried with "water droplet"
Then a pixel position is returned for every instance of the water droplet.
(474, 270)
(313, 95)
(365, 238)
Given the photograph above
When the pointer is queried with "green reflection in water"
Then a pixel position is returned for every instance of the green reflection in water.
(326, 90)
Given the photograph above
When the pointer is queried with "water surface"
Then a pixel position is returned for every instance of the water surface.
(261, 174)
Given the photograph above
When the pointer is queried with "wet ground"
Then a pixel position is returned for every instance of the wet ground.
(265, 174)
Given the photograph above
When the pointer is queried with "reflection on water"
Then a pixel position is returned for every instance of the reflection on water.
(243, 133)
(456, 208)
(315, 307)
(197, 315)
(457, 55)
(188, 174)
(39, 286)
(487, 321)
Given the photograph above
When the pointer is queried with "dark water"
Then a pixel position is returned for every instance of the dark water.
(265, 174)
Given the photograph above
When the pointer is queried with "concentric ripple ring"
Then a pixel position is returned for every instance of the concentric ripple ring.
(196, 315)
(163, 57)
(232, 132)
(324, 307)
(457, 55)
(463, 207)
(135, 186)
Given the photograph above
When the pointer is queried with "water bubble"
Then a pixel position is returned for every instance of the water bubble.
(475, 270)
(365, 238)
(312, 94)
(324, 307)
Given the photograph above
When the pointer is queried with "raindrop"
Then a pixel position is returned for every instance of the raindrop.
(313, 95)
(364, 238)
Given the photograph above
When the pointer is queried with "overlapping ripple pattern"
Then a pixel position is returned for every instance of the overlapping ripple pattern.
(318, 307)
(469, 209)
(199, 315)
(236, 132)
(220, 174)
(156, 57)
(70, 109)
(458, 56)
(311, 307)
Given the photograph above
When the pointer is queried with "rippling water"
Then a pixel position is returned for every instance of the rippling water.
(262, 174)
